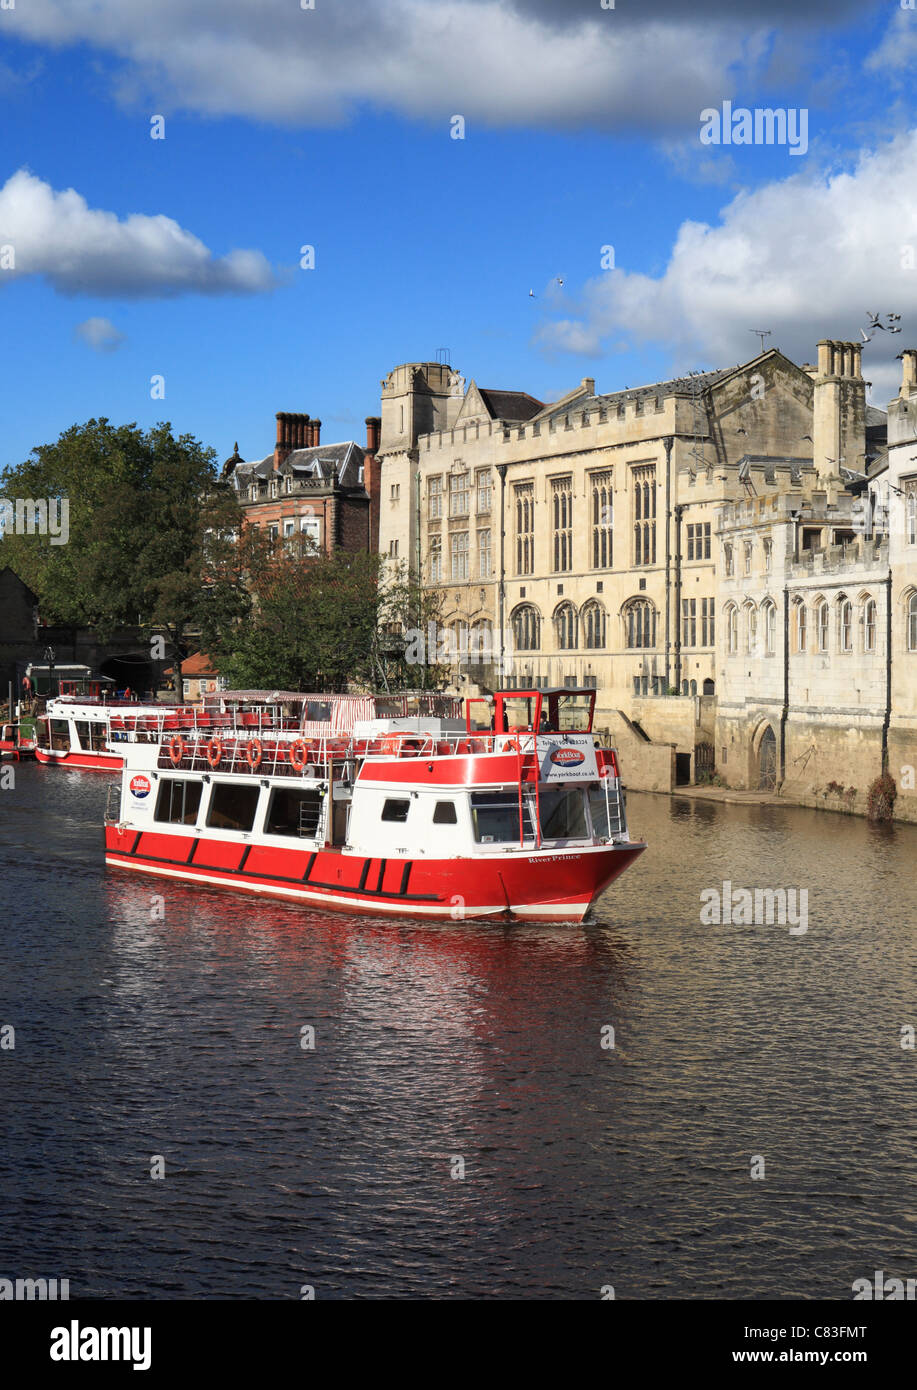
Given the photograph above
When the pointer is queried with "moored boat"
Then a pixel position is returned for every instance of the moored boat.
(515, 814)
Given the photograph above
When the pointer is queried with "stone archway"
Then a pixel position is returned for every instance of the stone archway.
(767, 760)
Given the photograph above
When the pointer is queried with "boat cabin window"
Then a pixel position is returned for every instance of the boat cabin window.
(598, 807)
(574, 713)
(563, 813)
(519, 712)
(444, 813)
(178, 801)
(91, 735)
(395, 810)
(232, 806)
(495, 817)
(60, 734)
(294, 811)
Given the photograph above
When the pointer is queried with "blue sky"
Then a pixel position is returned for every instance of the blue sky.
(331, 127)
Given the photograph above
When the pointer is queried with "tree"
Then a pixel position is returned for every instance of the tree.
(404, 656)
(142, 507)
(312, 624)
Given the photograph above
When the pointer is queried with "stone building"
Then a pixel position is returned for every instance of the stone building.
(804, 661)
(900, 496)
(584, 527)
(328, 493)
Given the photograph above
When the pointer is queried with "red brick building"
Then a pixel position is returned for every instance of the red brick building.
(328, 492)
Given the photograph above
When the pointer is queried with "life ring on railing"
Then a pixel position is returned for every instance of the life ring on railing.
(511, 745)
(176, 750)
(298, 755)
(605, 770)
(214, 752)
(254, 753)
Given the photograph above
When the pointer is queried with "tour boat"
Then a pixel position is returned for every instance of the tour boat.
(90, 730)
(13, 745)
(516, 816)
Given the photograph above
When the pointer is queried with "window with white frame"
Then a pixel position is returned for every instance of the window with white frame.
(460, 555)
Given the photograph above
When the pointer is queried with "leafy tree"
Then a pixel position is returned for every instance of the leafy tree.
(407, 611)
(142, 507)
(312, 625)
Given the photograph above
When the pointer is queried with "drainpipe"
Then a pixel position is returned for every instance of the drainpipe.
(501, 588)
(667, 445)
(679, 509)
(417, 559)
(888, 671)
(784, 713)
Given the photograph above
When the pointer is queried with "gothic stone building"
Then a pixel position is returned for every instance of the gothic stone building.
(585, 526)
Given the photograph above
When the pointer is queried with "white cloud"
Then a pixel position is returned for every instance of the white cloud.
(804, 256)
(494, 61)
(83, 250)
(99, 334)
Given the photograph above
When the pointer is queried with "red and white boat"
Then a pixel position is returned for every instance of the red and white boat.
(517, 815)
(90, 730)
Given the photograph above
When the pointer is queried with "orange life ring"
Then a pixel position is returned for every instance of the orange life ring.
(511, 745)
(214, 752)
(298, 755)
(605, 770)
(254, 753)
(391, 743)
(176, 749)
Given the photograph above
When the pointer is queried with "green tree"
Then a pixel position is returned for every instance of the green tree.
(143, 507)
(406, 610)
(312, 623)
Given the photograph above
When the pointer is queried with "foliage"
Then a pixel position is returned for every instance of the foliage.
(141, 507)
(312, 625)
(405, 606)
(881, 797)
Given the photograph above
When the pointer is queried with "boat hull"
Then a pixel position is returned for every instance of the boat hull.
(560, 885)
(101, 762)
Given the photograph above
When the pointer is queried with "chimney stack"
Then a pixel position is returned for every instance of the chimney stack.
(908, 373)
(373, 429)
(839, 409)
(316, 432)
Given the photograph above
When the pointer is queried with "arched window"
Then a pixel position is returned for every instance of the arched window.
(869, 625)
(565, 626)
(822, 621)
(844, 624)
(799, 625)
(751, 627)
(526, 623)
(592, 619)
(770, 627)
(639, 623)
(732, 629)
(481, 642)
(912, 623)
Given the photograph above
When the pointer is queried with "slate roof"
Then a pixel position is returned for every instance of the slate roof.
(510, 405)
(332, 463)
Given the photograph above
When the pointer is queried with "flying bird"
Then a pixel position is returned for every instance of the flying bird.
(867, 337)
(532, 294)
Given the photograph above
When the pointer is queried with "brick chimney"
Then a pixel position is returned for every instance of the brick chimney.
(316, 433)
(839, 408)
(371, 478)
(293, 432)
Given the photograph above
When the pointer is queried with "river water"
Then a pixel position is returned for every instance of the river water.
(461, 1126)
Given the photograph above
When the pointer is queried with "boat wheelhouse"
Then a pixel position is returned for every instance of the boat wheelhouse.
(513, 812)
